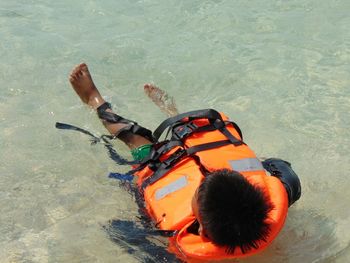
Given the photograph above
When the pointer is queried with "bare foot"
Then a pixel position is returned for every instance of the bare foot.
(84, 86)
(165, 102)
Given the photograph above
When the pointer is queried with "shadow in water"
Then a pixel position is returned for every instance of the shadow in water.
(139, 238)
(139, 241)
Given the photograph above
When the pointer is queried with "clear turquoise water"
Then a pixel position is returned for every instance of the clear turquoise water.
(280, 69)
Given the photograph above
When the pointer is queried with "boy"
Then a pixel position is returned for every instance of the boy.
(215, 196)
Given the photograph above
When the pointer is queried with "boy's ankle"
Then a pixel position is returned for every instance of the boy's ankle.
(95, 102)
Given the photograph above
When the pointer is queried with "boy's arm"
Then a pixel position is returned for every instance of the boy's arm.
(84, 86)
(283, 170)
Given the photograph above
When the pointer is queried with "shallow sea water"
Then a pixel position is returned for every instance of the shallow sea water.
(280, 69)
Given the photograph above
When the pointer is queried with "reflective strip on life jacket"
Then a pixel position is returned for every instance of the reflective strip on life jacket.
(170, 188)
(243, 165)
(246, 165)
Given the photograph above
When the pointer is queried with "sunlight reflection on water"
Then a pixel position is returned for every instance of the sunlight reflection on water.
(280, 70)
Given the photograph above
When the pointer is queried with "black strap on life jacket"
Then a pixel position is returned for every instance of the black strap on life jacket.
(198, 114)
(283, 171)
(214, 118)
(166, 165)
(182, 126)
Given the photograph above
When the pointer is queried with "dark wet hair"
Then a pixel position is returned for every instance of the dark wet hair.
(232, 211)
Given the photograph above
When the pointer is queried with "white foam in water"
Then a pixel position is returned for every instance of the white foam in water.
(280, 69)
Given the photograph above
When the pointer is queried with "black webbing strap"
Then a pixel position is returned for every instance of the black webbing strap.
(156, 153)
(152, 160)
(164, 167)
(65, 126)
(215, 119)
(136, 129)
(113, 118)
(236, 127)
(229, 135)
(132, 126)
(169, 163)
(179, 132)
(103, 107)
(198, 114)
(103, 139)
(206, 146)
(221, 126)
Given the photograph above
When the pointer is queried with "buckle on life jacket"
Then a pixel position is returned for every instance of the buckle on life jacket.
(174, 158)
(184, 130)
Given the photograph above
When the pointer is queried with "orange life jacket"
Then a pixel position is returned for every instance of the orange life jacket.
(168, 196)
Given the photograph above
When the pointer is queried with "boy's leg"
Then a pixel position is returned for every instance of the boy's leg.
(165, 102)
(84, 86)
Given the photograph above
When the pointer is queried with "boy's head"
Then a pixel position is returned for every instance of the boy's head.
(231, 211)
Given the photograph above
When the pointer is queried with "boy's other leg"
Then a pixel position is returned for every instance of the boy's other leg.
(165, 102)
